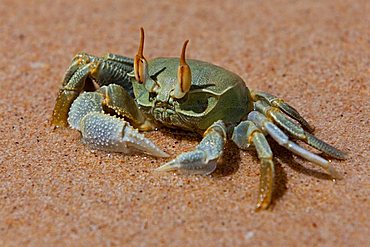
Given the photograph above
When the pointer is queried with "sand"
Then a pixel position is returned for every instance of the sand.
(54, 191)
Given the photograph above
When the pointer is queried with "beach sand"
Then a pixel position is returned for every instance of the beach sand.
(55, 191)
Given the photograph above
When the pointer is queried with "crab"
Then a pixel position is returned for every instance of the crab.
(112, 99)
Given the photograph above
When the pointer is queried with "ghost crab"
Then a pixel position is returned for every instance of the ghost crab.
(136, 94)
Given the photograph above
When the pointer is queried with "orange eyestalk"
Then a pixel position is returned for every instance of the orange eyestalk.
(183, 76)
(140, 63)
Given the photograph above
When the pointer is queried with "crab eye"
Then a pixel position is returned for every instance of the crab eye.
(183, 76)
(140, 63)
(140, 68)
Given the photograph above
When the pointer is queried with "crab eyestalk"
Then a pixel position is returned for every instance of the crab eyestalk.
(141, 66)
(183, 76)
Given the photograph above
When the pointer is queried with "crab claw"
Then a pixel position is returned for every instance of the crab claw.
(202, 160)
(106, 132)
(101, 131)
(195, 162)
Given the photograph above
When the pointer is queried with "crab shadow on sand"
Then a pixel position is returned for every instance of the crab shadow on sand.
(230, 162)
(283, 157)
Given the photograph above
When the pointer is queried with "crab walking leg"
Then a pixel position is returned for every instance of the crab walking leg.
(77, 62)
(119, 62)
(104, 70)
(280, 137)
(203, 160)
(70, 92)
(105, 132)
(296, 130)
(246, 134)
(286, 108)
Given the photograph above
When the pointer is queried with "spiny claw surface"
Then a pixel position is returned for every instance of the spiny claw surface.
(101, 131)
(105, 132)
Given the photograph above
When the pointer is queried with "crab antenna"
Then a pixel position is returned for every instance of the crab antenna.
(183, 75)
(140, 63)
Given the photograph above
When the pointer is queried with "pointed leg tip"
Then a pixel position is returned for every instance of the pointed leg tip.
(337, 154)
(261, 206)
(151, 150)
(310, 128)
(160, 154)
(166, 167)
(342, 155)
(335, 174)
(56, 123)
(264, 202)
(257, 208)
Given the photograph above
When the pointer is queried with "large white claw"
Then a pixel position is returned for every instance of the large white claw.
(104, 132)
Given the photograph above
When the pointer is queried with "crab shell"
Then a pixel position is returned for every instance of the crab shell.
(215, 94)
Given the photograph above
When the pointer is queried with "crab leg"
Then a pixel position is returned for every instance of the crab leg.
(69, 93)
(296, 130)
(246, 134)
(106, 132)
(286, 108)
(202, 160)
(106, 70)
(280, 137)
